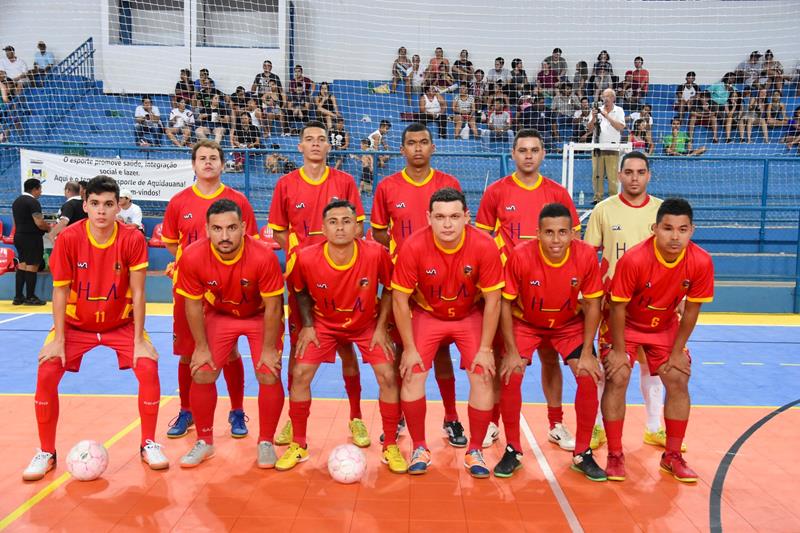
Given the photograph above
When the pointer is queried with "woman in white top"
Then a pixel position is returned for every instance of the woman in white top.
(432, 108)
(181, 119)
(417, 78)
(464, 110)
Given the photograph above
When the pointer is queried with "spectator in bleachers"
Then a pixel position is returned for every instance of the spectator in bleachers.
(546, 81)
(462, 70)
(685, 95)
(637, 81)
(499, 123)
(245, 135)
(772, 70)
(601, 81)
(181, 121)
(417, 77)
(611, 120)
(204, 76)
(43, 62)
(704, 113)
(754, 105)
(679, 143)
(443, 81)
(377, 141)
(479, 91)
(339, 140)
(273, 104)
(236, 102)
(519, 79)
(433, 65)
(325, 102)
(261, 81)
(721, 91)
(604, 61)
(15, 68)
(580, 79)
(500, 94)
(776, 112)
(581, 120)
(499, 74)
(214, 119)
(557, 64)
(645, 113)
(256, 116)
(298, 108)
(792, 137)
(302, 84)
(749, 71)
(278, 164)
(733, 116)
(129, 212)
(563, 108)
(206, 92)
(432, 108)
(532, 113)
(185, 89)
(367, 168)
(147, 126)
(642, 137)
(401, 68)
(464, 111)
(8, 88)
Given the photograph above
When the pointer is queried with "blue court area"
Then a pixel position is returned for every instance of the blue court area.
(732, 365)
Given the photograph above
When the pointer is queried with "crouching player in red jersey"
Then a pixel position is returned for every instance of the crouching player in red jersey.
(650, 281)
(99, 268)
(447, 267)
(336, 283)
(238, 280)
(545, 280)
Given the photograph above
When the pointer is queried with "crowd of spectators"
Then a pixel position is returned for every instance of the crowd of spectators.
(15, 76)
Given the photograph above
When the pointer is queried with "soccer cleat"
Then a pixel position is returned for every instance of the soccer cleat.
(359, 433)
(42, 463)
(673, 463)
(286, 435)
(237, 420)
(455, 434)
(266, 455)
(598, 437)
(400, 427)
(420, 461)
(395, 460)
(153, 455)
(294, 454)
(199, 453)
(474, 463)
(492, 434)
(560, 435)
(179, 426)
(509, 463)
(659, 438)
(615, 467)
(586, 465)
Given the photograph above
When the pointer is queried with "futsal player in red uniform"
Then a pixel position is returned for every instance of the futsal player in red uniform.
(510, 210)
(650, 281)
(337, 283)
(99, 268)
(449, 269)
(233, 286)
(184, 223)
(546, 280)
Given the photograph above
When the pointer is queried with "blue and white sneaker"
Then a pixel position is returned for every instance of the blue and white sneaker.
(420, 460)
(179, 426)
(237, 419)
(474, 463)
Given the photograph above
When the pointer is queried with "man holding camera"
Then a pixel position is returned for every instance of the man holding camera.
(607, 122)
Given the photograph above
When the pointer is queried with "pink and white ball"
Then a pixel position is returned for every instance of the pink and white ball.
(347, 464)
(87, 460)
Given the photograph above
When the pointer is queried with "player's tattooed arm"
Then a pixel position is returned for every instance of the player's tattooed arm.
(202, 354)
(307, 334)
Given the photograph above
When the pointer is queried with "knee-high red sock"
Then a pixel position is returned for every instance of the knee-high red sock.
(447, 388)
(149, 396)
(234, 379)
(270, 405)
(298, 412)
(614, 434)
(184, 385)
(478, 424)
(555, 415)
(585, 412)
(352, 384)
(676, 431)
(46, 403)
(204, 402)
(496, 412)
(510, 406)
(390, 416)
(415, 418)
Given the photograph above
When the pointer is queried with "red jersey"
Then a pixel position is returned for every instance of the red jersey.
(98, 275)
(298, 201)
(511, 209)
(185, 217)
(236, 286)
(345, 296)
(546, 294)
(401, 203)
(448, 283)
(654, 288)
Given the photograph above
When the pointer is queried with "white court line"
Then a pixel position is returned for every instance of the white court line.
(790, 364)
(753, 364)
(16, 318)
(713, 363)
(569, 514)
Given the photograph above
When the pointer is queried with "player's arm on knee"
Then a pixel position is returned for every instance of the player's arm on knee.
(491, 317)
(678, 359)
(55, 348)
(273, 327)
(307, 334)
(196, 320)
(587, 363)
(511, 361)
(381, 335)
(617, 359)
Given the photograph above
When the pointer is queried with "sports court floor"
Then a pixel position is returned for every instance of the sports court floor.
(746, 368)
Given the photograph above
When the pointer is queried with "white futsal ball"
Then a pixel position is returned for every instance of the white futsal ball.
(347, 463)
(87, 460)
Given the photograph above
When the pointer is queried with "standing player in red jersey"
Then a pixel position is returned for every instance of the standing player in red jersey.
(99, 268)
(651, 280)
(238, 280)
(510, 209)
(337, 291)
(295, 217)
(448, 267)
(184, 223)
(545, 282)
(401, 201)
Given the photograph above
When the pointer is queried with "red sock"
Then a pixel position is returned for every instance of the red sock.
(46, 403)
(352, 384)
(478, 424)
(585, 412)
(234, 379)
(496, 413)
(204, 402)
(298, 412)
(390, 416)
(447, 388)
(614, 434)
(555, 415)
(149, 396)
(511, 405)
(184, 385)
(676, 431)
(270, 405)
(415, 418)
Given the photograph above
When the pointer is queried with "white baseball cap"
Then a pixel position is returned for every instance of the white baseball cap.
(125, 193)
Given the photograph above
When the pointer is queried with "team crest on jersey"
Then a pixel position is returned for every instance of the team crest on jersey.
(535, 283)
(117, 266)
(322, 285)
(686, 283)
(244, 282)
(467, 270)
(616, 227)
(431, 271)
(363, 282)
(401, 205)
(511, 207)
(187, 216)
(301, 205)
(648, 285)
(573, 282)
(83, 265)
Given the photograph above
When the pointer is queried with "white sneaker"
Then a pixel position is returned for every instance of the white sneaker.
(560, 435)
(492, 433)
(42, 463)
(266, 455)
(199, 453)
(153, 455)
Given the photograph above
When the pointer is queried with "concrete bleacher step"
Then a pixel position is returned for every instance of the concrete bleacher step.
(754, 266)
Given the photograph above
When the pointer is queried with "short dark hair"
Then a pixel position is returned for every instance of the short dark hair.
(313, 124)
(640, 58)
(498, 58)
(100, 184)
(554, 210)
(528, 132)
(691, 73)
(385, 122)
(267, 62)
(298, 67)
(83, 184)
(635, 155)
(31, 184)
(335, 204)
(207, 143)
(145, 97)
(180, 99)
(448, 194)
(415, 127)
(675, 206)
(223, 205)
(557, 51)
(72, 187)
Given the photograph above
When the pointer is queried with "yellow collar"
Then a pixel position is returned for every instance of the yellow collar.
(547, 261)
(410, 180)
(317, 182)
(453, 250)
(228, 262)
(527, 187)
(208, 196)
(663, 261)
(106, 244)
(347, 265)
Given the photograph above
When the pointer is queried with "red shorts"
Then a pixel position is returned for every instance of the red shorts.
(567, 341)
(223, 332)
(182, 340)
(77, 342)
(657, 345)
(431, 332)
(331, 339)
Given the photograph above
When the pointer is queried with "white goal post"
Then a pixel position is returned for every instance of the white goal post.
(568, 158)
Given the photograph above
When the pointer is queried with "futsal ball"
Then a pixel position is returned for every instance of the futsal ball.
(87, 460)
(347, 463)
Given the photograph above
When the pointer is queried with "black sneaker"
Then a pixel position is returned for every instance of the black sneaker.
(509, 463)
(585, 464)
(400, 426)
(455, 434)
(17, 301)
(33, 300)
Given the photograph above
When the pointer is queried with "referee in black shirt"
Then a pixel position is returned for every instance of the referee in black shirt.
(71, 211)
(30, 227)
